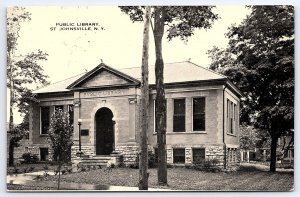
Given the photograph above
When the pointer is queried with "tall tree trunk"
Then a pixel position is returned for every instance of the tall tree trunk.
(160, 102)
(143, 161)
(59, 169)
(11, 115)
(11, 153)
(273, 153)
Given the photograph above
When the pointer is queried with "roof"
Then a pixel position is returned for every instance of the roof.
(173, 73)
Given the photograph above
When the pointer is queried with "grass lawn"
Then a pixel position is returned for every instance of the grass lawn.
(248, 178)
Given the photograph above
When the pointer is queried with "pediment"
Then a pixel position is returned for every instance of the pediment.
(103, 76)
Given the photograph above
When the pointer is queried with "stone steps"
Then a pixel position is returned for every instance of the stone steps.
(95, 161)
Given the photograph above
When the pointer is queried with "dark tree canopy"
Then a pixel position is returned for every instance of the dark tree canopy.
(181, 21)
(261, 64)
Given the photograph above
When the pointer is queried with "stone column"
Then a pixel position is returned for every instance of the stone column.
(242, 156)
(77, 106)
(169, 115)
(247, 156)
(188, 115)
(132, 115)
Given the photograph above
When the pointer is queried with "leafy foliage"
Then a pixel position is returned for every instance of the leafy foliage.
(17, 134)
(180, 21)
(60, 136)
(262, 67)
(30, 158)
(248, 137)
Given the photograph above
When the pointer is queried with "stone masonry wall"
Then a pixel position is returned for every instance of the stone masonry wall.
(129, 152)
(211, 152)
(87, 150)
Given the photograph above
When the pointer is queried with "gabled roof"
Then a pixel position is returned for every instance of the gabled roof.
(177, 72)
(99, 69)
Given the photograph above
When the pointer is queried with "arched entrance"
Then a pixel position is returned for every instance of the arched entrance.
(104, 131)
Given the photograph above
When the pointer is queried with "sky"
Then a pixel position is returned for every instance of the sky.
(119, 45)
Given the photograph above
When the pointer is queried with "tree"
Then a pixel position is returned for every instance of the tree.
(60, 138)
(180, 21)
(143, 161)
(22, 71)
(264, 69)
(248, 137)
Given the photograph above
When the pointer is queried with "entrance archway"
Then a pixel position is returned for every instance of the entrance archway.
(104, 131)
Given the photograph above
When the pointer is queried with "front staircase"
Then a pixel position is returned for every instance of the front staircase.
(95, 161)
(100, 160)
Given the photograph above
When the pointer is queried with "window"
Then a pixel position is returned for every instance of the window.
(45, 119)
(58, 107)
(199, 114)
(44, 154)
(154, 116)
(198, 155)
(231, 111)
(179, 115)
(178, 155)
(71, 114)
(231, 117)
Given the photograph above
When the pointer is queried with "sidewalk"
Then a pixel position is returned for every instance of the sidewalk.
(27, 179)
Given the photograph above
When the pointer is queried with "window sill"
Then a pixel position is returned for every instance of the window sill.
(44, 135)
(231, 134)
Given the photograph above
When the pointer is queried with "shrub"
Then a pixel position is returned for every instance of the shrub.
(16, 170)
(151, 160)
(31, 168)
(207, 165)
(25, 170)
(30, 158)
(46, 167)
(189, 166)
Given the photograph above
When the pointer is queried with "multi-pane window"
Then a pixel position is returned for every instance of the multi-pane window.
(45, 119)
(154, 116)
(231, 116)
(58, 108)
(179, 115)
(199, 114)
(178, 155)
(71, 114)
(198, 155)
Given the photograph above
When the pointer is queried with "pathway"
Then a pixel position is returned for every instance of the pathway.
(28, 179)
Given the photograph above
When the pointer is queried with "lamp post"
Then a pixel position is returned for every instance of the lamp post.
(79, 127)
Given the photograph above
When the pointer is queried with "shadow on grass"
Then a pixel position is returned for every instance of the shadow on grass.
(259, 168)
(251, 168)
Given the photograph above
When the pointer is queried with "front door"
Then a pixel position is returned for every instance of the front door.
(104, 131)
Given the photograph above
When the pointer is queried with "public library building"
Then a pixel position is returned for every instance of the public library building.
(202, 114)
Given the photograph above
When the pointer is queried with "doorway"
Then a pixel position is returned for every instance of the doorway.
(104, 131)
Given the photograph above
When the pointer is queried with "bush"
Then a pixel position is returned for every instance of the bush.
(16, 170)
(31, 168)
(207, 165)
(151, 160)
(30, 158)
